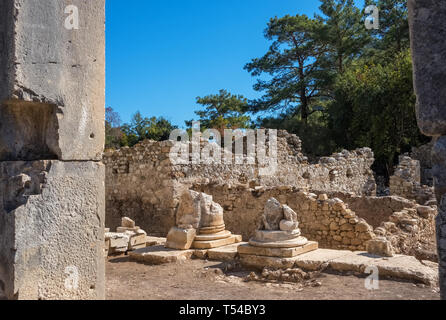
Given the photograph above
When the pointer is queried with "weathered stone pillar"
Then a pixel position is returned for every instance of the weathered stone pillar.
(52, 81)
(427, 20)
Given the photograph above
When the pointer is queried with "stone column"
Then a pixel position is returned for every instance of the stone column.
(427, 20)
(52, 97)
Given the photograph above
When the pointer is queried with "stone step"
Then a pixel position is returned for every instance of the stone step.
(216, 243)
(397, 267)
(159, 255)
(226, 253)
(277, 252)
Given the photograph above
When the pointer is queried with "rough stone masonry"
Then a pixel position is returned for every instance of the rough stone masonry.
(427, 21)
(52, 81)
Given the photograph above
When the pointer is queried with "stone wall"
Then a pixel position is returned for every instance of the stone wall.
(143, 183)
(332, 222)
(328, 221)
(406, 181)
(52, 99)
(140, 184)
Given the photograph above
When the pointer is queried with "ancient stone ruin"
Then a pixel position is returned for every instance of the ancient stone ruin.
(162, 182)
(426, 21)
(128, 237)
(52, 83)
(278, 234)
(199, 224)
(334, 199)
(52, 180)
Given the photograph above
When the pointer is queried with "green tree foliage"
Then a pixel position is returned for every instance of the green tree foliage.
(356, 86)
(292, 66)
(393, 33)
(114, 137)
(343, 34)
(222, 111)
(141, 128)
(375, 106)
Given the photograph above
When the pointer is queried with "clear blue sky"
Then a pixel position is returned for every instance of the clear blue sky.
(162, 54)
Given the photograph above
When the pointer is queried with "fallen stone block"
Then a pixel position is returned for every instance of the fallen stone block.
(159, 255)
(127, 223)
(125, 229)
(118, 240)
(380, 246)
(180, 239)
(154, 241)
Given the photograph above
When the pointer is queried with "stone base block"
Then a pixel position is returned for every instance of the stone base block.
(216, 243)
(276, 235)
(180, 239)
(296, 242)
(260, 262)
(137, 240)
(52, 229)
(118, 240)
(159, 255)
(278, 252)
(226, 253)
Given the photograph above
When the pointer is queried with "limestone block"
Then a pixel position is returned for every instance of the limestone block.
(159, 255)
(50, 227)
(380, 246)
(118, 240)
(137, 240)
(215, 243)
(127, 223)
(225, 253)
(52, 91)
(154, 241)
(278, 252)
(180, 239)
(269, 236)
(439, 167)
(426, 18)
(296, 242)
(125, 229)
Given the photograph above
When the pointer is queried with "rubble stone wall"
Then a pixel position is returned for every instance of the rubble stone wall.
(333, 222)
(327, 221)
(143, 183)
(406, 181)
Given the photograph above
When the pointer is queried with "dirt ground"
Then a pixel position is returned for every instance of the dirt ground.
(210, 280)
